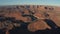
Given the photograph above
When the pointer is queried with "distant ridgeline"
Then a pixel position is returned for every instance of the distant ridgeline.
(14, 16)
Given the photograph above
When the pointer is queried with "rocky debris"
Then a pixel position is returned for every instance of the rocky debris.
(8, 23)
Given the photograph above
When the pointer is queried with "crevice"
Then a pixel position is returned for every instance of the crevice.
(51, 23)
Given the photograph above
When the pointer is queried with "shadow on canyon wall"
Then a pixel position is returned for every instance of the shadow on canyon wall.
(23, 28)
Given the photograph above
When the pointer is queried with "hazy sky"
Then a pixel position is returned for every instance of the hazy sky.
(30, 2)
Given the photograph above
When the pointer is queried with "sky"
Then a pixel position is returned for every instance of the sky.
(30, 2)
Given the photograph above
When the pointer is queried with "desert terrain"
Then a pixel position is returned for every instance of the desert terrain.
(38, 17)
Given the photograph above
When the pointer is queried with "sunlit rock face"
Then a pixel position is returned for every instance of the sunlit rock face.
(34, 15)
(38, 25)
